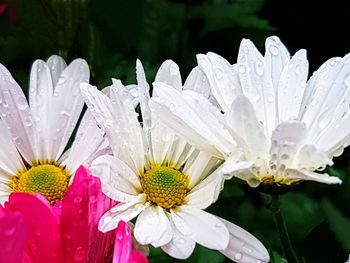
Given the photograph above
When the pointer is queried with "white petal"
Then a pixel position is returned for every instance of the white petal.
(223, 79)
(197, 81)
(118, 119)
(110, 220)
(276, 58)
(311, 158)
(56, 65)
(115, 176)
(198, 167)
(311, 176)
(161, 140)
(246, 129)
(153, 227)
(10, 160)
(180, 246)
(193, 116)
(243, 246)
(286, 140)
(256, 84)
(201, 226)
(144, 96)
(17, 116)
(328, 91)
(169, 73)
(240, 169)
(161, 110)
(329, 129)
(207, 191)
(67, 104)
(292, 86)
(40, 101)
(87, 141)
(179, 153)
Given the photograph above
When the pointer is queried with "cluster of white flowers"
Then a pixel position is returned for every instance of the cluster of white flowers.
(260, 120)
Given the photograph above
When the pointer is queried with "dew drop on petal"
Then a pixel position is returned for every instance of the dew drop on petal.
(22, 103)
(218, 73)
(238, 256)
(241, 69)
(61, 80)
(245, 49)
(174, 69)
(274, 50)
(259, 68)
(79, 254)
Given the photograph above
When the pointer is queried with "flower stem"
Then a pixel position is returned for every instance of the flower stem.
(281, 226)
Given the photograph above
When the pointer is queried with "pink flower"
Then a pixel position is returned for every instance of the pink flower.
(35, 232)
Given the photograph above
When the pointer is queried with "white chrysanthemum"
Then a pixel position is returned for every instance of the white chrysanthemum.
(263, 110)
(33, 160)
(161, 179)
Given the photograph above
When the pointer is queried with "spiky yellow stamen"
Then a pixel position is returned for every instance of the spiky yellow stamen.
(165, 186)
(47, 179)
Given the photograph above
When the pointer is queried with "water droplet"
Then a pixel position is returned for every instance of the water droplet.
(93, 199)
(259, 68)
(241, 69)
(218, 73)
(238, 256)
(22, 103)
(347, 80)
(80, 254)
(28, 121)
(274, 50)
(61, 80)
(78, 199)
(174, 69)
(10, 231)
(323, 120)
(270, 98)
(180, 241)
(245, 49)
(172, 107)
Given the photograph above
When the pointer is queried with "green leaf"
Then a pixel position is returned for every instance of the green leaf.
(338, 222)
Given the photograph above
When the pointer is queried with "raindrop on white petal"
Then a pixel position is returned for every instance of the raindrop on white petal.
(274, 50)
(172, 107)
(270, 98)
(174, 69)
(347, 80)
(259, 68)
(241, 69)
(180, 241)
(323, 120)
(218, 73)
(245, 49)
(28, 121)
(238, 256)
(22, 103)
(61, 80)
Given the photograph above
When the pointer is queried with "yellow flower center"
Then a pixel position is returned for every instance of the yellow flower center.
(165, 186)
(47, 179)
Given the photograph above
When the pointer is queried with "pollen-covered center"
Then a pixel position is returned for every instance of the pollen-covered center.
(47, 179)
(165, 186)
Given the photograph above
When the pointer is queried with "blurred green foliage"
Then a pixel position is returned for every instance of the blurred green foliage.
(111, 34)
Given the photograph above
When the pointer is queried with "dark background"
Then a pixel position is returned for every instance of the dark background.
(110, 35)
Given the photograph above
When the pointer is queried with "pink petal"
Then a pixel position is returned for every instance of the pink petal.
(13, 235)
(44, 242)
(123, 246)
(81, 210)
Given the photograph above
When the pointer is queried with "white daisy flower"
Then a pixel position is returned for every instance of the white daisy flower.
(160, 179)
(264, 106)
(33, 160)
